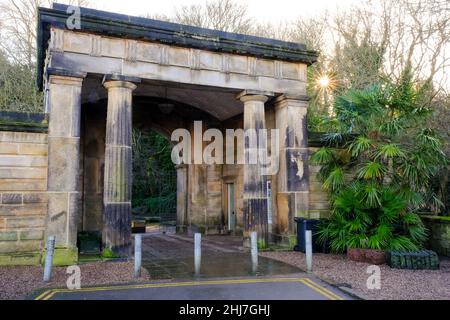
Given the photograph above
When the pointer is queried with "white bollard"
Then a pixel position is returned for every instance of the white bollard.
(137, 255)
(49, 258)
(254, 250)
(197, 252)
(308, 250)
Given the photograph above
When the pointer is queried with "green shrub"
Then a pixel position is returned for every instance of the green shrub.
(380, 176)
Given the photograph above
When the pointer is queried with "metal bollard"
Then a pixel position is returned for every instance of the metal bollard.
(308, 250)
(197, 252)
(254, 250)
(137, 255)
(49, 258)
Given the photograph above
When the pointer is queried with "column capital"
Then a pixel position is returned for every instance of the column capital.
(291, 100)
(114, 77)
(254, 95)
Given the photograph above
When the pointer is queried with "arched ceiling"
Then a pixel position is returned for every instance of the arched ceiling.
(218, 102)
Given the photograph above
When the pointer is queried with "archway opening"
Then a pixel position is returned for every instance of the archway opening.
(154, 190)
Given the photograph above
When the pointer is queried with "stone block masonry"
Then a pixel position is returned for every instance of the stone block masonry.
(439, 234)
(23, 196)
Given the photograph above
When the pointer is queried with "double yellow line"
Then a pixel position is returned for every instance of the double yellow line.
(47, 295)
(320, 289)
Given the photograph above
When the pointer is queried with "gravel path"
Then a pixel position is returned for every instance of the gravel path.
(395, 284)
(20, 282)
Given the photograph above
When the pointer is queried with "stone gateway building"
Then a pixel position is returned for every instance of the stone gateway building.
(105, 73)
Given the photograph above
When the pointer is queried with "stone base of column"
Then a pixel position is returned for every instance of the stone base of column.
(255, 219)
(62, 256)
(291, 205)
(117, 229)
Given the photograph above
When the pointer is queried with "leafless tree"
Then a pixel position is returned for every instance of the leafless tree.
(384, 37)
(18, 28)
(225, 15)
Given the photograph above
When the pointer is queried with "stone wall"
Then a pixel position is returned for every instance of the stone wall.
(23, 198)
(439, 234)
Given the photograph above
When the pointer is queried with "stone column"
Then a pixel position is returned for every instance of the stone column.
(293, 177)
(182, 184)
(118, 167)
(63, 185)
(255, 197)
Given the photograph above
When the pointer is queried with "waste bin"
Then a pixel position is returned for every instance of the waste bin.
(304, 224)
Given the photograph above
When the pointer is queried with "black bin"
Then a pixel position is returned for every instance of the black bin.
(304, 224)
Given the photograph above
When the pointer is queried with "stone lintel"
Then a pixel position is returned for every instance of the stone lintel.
(65, 73)
(120, 77)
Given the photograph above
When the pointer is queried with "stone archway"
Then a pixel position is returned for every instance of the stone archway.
(242, 81)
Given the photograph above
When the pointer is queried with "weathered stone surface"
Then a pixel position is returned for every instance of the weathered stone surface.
(34, 149)
(23, 173)
(19, 246)
(23, 137)
(11, 198)
(24, 210)
(63, 164)
(35, 197)
(23, 161)
(18, 259)
(65, 99)
(8, 236)
(57, 215)
(22, 185)
(32, 235)
(25, 222)
(8, 148)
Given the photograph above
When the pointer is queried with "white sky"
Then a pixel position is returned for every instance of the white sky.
(262, 10)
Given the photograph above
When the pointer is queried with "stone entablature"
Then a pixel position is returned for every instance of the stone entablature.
(84, 52)
(171, 34)
(134, 51)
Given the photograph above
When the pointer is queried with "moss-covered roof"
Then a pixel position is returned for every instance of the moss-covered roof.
(120, 25)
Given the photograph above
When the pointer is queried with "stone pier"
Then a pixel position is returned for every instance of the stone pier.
(64, 196)
(293, 175)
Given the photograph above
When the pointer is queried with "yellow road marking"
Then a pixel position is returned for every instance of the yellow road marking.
(314, 288)
(42, 295)
(322, 289)
(50, 293)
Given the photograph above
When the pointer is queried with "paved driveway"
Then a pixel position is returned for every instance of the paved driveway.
(300, 287)
(226, 274)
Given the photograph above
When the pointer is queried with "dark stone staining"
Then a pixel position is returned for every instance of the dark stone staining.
(297, 177)
(303, 143)
(118, 176)
(256, 187)
(117, 228)
(12, 198)
(291, 212)
(255, 217)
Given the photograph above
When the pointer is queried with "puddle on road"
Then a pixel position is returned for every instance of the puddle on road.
(215, 265)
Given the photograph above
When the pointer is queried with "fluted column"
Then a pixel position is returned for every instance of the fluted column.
(118, 168)
(255, 197)
(182, 184)
(293, 174)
